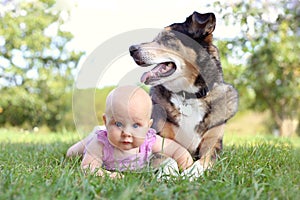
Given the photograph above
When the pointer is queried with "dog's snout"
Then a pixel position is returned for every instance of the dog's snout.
(133, 49)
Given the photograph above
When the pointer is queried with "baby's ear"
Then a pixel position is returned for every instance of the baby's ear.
(150, 122)
(104, 118)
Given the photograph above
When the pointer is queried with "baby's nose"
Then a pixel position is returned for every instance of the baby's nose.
(126, 132)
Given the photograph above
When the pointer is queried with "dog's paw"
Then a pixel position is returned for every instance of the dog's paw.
(193, 172)
(167, 169)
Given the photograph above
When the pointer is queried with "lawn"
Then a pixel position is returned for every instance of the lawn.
(33, 166)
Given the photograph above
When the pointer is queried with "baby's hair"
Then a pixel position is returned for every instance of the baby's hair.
(129, 93)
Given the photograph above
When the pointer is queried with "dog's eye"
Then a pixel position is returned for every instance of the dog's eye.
(167, 38)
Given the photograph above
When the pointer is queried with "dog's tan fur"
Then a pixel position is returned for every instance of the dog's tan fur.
(188, 73)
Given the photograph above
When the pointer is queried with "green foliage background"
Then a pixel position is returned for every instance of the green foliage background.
(37, 68)
(262, 61)
(37, 79)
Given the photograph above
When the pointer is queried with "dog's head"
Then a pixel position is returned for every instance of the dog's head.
(182, 54)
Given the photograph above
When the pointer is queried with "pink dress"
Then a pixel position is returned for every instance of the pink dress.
(134, 162)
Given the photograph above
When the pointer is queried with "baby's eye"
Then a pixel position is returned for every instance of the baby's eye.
(118, 124)
(136, 125)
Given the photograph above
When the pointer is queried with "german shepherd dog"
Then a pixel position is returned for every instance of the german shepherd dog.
(191, 100)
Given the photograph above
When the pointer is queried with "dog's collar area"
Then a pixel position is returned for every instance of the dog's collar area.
(187, 95)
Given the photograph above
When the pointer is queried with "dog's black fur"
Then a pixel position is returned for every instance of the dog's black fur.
(191, 100)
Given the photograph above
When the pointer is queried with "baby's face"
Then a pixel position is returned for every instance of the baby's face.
(128, 121)
(127, 132)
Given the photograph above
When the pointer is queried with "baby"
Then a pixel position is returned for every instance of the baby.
(127, 141)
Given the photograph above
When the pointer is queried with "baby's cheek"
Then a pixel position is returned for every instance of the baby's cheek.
(139, 141)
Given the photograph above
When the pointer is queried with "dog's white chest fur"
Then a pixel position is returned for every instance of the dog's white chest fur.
(192, 112)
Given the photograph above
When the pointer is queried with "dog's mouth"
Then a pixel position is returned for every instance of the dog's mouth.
(161, 70)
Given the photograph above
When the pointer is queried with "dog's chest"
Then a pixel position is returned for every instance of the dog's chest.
(191, 112)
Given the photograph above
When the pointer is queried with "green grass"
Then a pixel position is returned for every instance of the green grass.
(33, 166)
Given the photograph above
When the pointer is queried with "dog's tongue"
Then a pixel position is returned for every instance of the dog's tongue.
(157, 71)
(145, 76)
(153, 72)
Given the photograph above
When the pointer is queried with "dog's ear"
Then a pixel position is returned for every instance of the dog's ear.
(197, 26)
(202, 24)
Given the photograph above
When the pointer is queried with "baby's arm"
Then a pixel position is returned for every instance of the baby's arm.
(174, 150)
(92, 159)
(79, 147)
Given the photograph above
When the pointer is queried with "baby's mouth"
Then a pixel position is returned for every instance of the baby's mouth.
(126, 142)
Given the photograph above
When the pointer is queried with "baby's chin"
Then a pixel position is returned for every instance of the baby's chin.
(129, 149)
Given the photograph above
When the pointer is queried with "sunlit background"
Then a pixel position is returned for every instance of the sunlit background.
(94, 22)
(44, 45)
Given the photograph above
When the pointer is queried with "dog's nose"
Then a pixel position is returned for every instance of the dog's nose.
(133, 49)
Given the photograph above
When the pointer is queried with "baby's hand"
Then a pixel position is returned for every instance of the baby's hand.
(115, 175)
(101, 172)
(112, 175)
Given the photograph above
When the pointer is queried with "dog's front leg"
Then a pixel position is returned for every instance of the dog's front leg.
(210, 146)
(162, 120)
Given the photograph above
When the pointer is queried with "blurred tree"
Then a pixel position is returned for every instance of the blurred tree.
(268, 50)
(35, 64)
